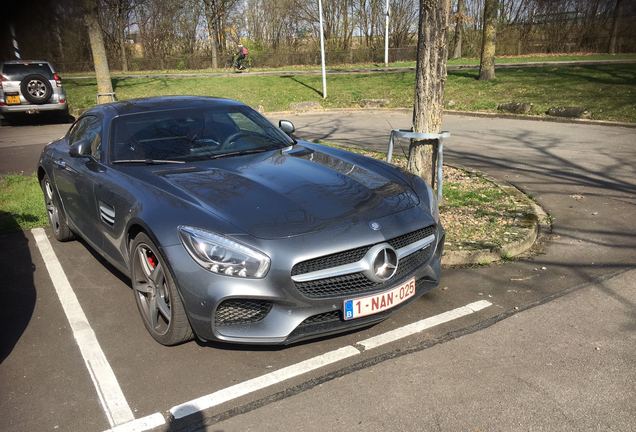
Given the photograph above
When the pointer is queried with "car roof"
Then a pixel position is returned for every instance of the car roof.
(24, 61)
(161, 103)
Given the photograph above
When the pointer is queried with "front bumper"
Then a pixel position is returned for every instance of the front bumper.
(290, 316)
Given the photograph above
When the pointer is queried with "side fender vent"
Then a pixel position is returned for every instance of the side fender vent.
(107, 214)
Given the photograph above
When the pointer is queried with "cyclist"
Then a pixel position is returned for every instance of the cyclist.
(241, 57)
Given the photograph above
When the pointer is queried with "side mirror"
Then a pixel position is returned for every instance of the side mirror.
(286, 126)
(80, 149)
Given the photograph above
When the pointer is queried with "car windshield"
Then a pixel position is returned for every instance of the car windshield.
(193, 134)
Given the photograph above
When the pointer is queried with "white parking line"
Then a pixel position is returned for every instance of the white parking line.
(272, 378)
(110, 395)
(140, 425)
(261, 382)
(418, 326)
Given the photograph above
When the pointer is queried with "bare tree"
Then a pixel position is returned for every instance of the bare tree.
(487, 63)
(459, 18)
(614, 32)
(430, 78)
(104, 85)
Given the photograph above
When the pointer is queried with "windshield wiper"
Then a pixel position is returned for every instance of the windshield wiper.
(243, 152)
(148, 161)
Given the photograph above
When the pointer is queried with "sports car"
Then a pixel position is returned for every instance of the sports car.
(231, 229)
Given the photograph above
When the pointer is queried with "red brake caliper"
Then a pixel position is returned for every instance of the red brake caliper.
(152, 261)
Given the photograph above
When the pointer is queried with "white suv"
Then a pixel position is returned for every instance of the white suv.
(30, 87)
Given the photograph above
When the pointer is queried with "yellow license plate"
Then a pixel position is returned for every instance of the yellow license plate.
(13, 100)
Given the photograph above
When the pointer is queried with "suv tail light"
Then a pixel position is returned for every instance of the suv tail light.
(58, 79)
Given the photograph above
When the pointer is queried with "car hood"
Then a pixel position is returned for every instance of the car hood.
(287, 193)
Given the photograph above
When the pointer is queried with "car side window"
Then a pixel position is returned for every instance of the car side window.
(244, 123)
(77, 131)
(88, 129)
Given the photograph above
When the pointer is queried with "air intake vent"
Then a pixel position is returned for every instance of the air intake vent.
(241, 311)
(107, 214)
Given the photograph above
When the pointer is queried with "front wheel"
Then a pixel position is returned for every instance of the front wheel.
(55, 212)
(156, 294)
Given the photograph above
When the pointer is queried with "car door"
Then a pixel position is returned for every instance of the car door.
(76, 177)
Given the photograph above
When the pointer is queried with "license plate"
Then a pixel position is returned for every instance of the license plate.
(13, 100)
(363, 306)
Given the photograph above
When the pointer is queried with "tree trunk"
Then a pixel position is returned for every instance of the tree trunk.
(612, 42)
(211, 12)
(487, 63)
(122, 47)
(430, 78)
(102, 72)
(459, 30)
(122, 17)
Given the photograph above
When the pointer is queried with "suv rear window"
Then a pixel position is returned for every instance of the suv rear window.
(17, 71)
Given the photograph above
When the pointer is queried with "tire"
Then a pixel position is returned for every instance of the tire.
(156, 295)
(55, 212)
(36, 89)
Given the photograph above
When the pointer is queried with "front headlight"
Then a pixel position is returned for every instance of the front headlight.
(221, 255)
(432, 200)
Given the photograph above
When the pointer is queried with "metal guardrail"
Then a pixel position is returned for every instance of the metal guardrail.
(439, 137)
(111, 95)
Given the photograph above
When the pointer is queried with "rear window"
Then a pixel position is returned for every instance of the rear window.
(17, 71)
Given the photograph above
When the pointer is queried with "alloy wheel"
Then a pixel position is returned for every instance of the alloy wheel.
(51, 209)
(36, 88)
(151, 287)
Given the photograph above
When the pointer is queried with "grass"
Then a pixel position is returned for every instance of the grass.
(398, 64)
(608, 91)
(21, 203)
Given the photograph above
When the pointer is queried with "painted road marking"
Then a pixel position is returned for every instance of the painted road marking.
(110, 395)
(272, 378)
(142, 424)
(418, 326)
(262, 382)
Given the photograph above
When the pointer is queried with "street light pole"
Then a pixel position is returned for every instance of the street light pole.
(322, 53)
(386, 35)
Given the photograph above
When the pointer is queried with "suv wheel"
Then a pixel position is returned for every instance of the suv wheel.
(36, 89)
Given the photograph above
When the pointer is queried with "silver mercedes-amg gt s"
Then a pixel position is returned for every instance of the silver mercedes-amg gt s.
(232, 230)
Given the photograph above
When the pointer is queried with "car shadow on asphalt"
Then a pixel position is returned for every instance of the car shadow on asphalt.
(40, 119)
(17, 288)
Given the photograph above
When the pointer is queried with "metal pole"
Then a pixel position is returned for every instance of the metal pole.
(16, 48)
(322, 53)
(386, 36)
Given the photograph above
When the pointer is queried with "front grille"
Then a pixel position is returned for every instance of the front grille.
(328, 261)
(241, 311)
(353, 255)
(412, 237)
(357, 283)
(331, 322)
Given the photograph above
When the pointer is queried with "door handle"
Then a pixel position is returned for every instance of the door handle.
(60, 163)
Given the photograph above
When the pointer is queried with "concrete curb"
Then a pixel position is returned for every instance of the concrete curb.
(538, 220)
(540, 118)
(465, 113)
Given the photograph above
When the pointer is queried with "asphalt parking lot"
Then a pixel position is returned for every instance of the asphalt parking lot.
(48, 383)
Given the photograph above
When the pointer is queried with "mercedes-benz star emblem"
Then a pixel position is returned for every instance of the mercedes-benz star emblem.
(383, 262)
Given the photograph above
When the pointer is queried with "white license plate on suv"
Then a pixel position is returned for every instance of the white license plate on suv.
(363, 306)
